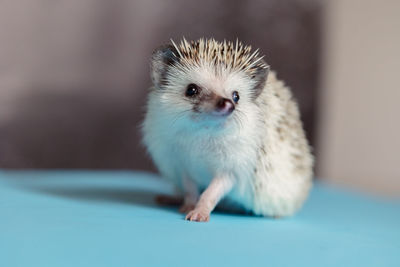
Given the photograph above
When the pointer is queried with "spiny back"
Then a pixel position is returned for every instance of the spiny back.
(226, 54)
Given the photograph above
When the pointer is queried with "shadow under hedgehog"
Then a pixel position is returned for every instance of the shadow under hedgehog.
(219, 123)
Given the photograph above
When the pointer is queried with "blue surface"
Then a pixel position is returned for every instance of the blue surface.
(99, 219)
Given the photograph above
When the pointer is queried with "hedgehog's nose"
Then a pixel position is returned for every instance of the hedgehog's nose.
(224, 106)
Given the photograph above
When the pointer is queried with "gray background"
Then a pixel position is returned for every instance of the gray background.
(74, 74)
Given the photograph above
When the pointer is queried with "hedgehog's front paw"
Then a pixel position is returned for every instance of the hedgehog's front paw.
(198, 215)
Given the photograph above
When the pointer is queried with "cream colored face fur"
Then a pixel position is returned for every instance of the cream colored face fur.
(212, 87)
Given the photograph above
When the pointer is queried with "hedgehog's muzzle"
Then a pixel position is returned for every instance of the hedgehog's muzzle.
(224, 107)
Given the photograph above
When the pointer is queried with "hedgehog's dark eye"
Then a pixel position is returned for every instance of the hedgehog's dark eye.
(192, 90)
(235, 97)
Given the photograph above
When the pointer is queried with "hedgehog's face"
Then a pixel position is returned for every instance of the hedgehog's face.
(204, 90)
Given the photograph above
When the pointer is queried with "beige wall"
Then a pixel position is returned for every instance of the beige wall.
(359, 134)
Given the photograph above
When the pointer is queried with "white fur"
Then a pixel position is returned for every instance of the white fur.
(202, 147)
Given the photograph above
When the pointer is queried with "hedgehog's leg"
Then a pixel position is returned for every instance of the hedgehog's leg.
(217, 189)
(191, 194)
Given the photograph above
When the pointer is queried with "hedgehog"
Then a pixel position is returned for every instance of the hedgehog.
(225, 131)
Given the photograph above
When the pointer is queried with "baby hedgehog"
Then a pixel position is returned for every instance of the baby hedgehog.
(221, 127)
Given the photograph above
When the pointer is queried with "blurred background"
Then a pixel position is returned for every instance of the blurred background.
(74, 76)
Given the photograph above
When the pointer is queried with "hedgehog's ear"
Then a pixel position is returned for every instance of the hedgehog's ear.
(260, 78)
(161, 60)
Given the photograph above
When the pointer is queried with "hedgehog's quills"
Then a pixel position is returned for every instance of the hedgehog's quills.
(218, 121)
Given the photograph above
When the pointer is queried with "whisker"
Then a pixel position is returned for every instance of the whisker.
(179, 115)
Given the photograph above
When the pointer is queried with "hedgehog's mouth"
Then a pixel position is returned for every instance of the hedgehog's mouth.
(213, 119)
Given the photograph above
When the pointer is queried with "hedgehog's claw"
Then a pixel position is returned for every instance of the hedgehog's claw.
(198, 215)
